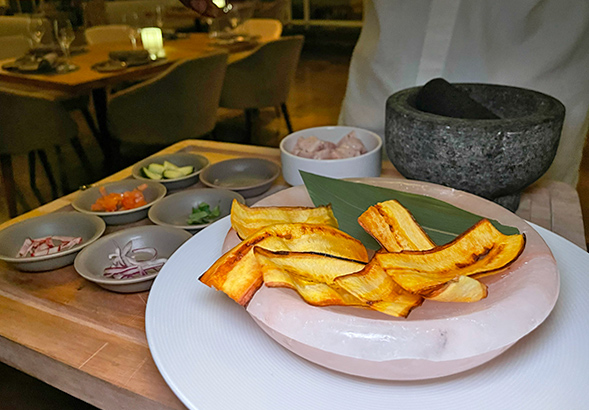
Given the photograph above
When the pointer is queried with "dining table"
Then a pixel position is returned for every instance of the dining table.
(86, 80)
(92, 344)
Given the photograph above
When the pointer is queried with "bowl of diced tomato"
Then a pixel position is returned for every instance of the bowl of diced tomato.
(120, 202)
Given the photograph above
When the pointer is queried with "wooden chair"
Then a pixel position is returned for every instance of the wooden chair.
(110, 33)
(263, 79)
(13, 46)
(30, 123)
(15, 43)
(180, 103)
(266, 29)
(19, 26)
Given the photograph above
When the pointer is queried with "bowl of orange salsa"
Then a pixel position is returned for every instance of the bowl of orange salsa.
(120, 202)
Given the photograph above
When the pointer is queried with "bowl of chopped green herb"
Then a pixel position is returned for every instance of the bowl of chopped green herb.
(193, 209)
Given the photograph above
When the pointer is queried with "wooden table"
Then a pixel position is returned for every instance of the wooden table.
(91, 343)
(85, 80)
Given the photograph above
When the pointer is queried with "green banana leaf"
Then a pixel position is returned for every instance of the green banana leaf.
(442, 221)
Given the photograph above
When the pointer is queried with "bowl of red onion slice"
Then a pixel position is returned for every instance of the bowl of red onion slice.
(128, 261)
(333, 151)
(48, 242)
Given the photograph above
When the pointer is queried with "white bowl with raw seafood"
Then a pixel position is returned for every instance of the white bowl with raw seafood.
(48, 242)
(129, 260)
(332, 151)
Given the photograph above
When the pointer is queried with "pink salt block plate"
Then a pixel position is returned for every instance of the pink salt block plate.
(437, 339)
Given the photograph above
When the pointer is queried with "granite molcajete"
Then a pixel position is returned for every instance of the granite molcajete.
(495, 159)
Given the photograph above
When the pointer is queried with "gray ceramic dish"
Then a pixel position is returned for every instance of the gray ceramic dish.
(180, 159)
(247, 176)
(174, 210)
(89, 227)
(153, 193)
(90, 263)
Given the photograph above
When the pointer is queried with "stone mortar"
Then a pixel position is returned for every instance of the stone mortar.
(495, 159)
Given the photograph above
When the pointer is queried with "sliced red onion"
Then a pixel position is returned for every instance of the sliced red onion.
(124, 263)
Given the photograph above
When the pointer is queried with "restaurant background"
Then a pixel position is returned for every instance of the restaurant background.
(331, 28)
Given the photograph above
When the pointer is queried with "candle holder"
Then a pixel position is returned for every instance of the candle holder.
(153, 42)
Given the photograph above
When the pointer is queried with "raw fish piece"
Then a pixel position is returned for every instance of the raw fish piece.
(310, 146)
(352, 143)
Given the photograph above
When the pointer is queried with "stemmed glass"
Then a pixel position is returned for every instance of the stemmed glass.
(226, 26)
(159, 16)
(132, 20)
(36, 27)
(65, 35)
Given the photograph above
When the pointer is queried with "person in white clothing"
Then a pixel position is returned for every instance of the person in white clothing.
(542, 45)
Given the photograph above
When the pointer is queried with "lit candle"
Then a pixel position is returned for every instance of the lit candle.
(152, 40)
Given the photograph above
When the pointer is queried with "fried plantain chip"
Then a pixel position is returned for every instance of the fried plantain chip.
(238, 275)
(480, 250)
(310, 274)
(379, 291)
(246, 220)
(393, 226)
(460, 289)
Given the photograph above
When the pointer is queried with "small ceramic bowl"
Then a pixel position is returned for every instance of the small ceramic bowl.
(247, 176)
(153, 193)
(89, 227)
(180, 159)
(365, 165)
(90, 263)
(174, 210)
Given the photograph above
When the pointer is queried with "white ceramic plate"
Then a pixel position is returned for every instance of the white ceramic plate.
(213, 355)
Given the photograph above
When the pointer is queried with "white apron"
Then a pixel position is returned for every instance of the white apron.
(542, 45)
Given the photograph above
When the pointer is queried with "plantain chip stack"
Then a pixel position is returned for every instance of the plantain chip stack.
(302, 249)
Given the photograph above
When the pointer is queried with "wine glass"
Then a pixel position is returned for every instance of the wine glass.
(159, 16)
(132, 20)
(36, 28)
(65, 35)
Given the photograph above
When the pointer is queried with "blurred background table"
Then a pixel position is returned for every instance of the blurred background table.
(86, 80)
(91, 343)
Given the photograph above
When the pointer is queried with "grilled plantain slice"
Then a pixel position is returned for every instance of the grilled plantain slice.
(480, 250)
(379, 291)
(237, 272)
(393, 226)
(310, 274)
(246, 220)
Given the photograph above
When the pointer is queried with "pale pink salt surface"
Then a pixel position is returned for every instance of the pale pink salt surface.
(437, 339)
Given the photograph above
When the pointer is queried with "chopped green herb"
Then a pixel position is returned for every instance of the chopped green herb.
(202, 214)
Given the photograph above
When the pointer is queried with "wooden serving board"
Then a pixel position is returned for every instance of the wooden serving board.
(91, 343)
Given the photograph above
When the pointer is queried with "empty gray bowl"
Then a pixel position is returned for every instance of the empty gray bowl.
(247, 176)
(173, 210)
(180, 159)
(153, 193)
(90, 263)
(89, 227)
